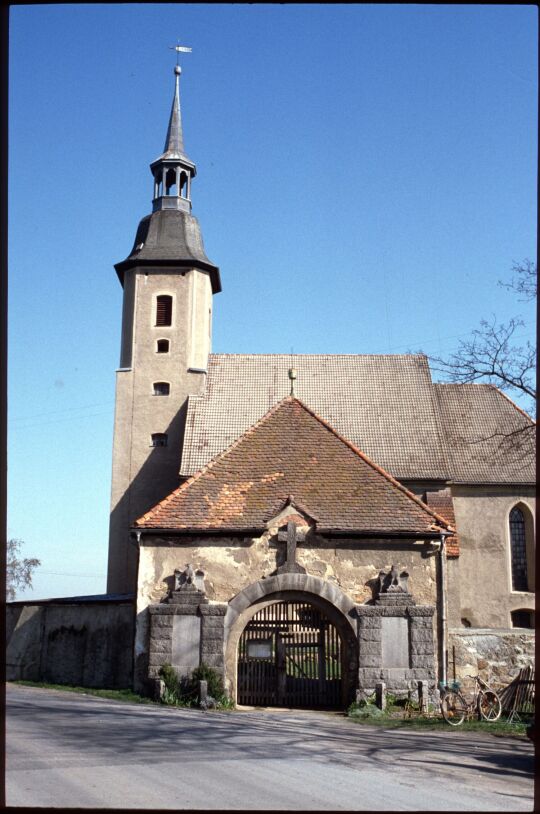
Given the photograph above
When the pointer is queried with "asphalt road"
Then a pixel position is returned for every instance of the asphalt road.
(68, 750)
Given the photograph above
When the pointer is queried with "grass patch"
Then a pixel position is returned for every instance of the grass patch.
(372, 715)
(128, 696)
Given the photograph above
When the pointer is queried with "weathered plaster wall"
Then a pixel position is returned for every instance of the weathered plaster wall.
(85, 644)
(496, 655)
(231, 564)
(486, 595)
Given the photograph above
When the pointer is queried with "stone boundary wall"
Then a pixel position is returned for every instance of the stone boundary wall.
(496, 655)
(87, 644)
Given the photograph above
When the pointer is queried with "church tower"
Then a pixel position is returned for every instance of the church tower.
(168, 283)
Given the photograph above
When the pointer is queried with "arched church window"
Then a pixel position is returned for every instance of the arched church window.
(164, 310)
(162, 346)
(518, 550)
(161, 388)
(159, 439)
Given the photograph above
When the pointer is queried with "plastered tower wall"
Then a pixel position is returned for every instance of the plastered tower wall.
(143, 474)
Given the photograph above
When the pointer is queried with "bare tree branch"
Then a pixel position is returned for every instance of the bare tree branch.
(491, 356)
(524, 281)
(19, 571)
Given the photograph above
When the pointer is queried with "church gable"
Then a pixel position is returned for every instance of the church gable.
(294, 457)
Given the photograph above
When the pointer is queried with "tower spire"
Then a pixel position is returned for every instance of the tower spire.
(174, 142)
(173, 170)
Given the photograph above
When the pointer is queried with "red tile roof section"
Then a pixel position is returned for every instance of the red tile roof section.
(442, 503)
(292, 451)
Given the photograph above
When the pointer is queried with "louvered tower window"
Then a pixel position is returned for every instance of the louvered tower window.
(164, 310)
(518, 546)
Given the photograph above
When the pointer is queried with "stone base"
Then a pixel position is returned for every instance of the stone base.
(185, 633)
(398, 654)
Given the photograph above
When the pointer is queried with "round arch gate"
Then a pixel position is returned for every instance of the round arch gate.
(290, 654)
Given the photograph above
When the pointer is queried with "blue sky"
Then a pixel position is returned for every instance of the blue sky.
(366, 174)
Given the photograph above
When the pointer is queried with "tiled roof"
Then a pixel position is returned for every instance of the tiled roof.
(293, 455)
(489, 439)
(384, 405)
(441, 502)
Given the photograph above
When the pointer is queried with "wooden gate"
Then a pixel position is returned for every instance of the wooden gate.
(289, 655)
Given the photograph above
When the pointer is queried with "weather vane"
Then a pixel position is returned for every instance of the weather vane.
(179, 50)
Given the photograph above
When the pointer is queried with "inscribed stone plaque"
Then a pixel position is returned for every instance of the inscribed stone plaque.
(259, 648)
(395, 641)
(186, 640)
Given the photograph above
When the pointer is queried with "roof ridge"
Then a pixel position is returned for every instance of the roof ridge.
(324, 355)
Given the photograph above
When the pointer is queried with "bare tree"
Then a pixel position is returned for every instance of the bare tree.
(19, 570)
(493, 353)
(524, 281)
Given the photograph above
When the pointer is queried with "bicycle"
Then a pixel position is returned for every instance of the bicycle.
(455, 707)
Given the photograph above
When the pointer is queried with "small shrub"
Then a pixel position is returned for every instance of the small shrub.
(212, 678)
(363, 709)
(185, 691)
(177, 691)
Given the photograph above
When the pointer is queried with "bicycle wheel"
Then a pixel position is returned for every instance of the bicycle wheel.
(489, 705)
(453, 707)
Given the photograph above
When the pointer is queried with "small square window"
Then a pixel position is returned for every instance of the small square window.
(162, 346)
(161, 388)
(522, 618)
(159, 439)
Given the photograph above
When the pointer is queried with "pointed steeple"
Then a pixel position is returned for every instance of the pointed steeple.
(173, 170)
(174, 142)
(171, 235)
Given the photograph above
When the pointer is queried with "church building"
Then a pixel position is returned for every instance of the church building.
(310, 524)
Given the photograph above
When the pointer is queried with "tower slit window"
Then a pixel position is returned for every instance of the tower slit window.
(518, 548)
(164, 310)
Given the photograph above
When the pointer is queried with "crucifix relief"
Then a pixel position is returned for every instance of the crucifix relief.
(292, 536)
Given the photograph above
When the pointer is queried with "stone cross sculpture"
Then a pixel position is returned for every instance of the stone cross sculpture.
(292, 536)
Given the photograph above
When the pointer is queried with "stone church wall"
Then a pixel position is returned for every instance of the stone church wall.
(86, 644)
(496, 655)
